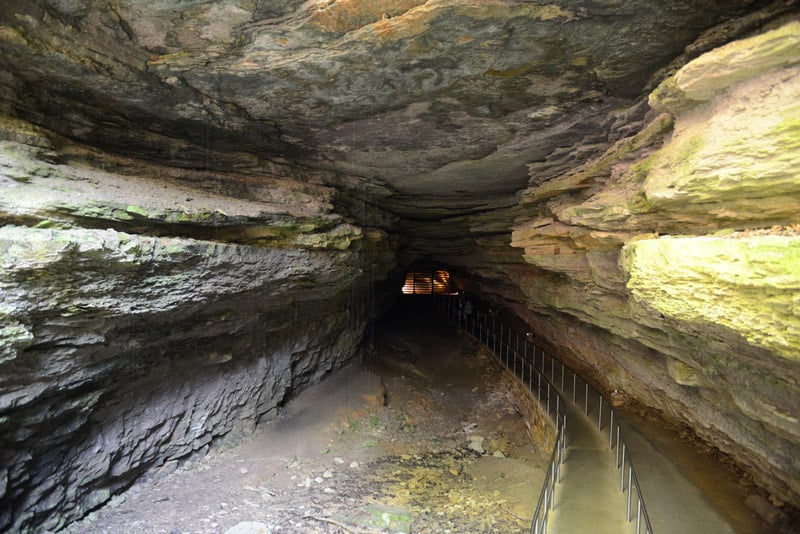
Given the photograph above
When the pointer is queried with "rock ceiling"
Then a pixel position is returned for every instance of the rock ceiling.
(441, 104)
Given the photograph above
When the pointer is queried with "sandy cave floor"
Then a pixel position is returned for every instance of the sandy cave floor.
(391, 444)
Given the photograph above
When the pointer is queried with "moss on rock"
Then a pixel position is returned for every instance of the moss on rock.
(750, 285)
(714, 72)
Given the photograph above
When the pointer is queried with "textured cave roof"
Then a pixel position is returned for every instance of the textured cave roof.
(439, 105)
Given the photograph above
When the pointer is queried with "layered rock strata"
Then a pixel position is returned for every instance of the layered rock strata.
(141, 324)
(672, 262)
(197, 197)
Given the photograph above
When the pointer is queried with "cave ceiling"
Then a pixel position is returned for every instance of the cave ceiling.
(437, 107)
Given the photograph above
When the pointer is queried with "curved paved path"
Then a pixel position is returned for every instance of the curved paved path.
(674, 503)
(590, 483)
(588, 497)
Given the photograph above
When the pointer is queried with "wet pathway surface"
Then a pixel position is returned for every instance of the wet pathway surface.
(689, 483)
(422, 436)
(673, 502)
(590, 498)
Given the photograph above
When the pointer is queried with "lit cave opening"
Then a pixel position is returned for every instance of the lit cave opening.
(428, 282)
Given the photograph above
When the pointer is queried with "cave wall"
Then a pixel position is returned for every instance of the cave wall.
(669, 266)
(141, 324)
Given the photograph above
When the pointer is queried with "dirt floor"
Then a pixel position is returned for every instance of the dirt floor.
(420, 436)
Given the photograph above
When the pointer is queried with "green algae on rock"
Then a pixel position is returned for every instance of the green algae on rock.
(716, 71)
(750, 285)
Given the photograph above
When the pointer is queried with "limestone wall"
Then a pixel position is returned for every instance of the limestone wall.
(192, 228)
(669, 266)
(135, 333)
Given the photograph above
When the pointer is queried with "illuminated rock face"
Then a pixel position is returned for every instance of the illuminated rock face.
(683, 243)
(123, 352)
(201, 202)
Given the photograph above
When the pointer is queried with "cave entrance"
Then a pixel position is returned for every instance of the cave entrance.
(428, 282)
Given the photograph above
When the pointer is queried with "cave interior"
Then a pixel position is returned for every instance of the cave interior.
(206, 206)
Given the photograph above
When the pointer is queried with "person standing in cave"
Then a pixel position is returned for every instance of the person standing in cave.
(467, 313)
(464, 309)
(460, 307)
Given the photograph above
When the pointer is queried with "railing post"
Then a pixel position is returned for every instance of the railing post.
(611, 431)
(548, 398)
(630, 490)
(501, 344)
(574, 386)
(494, 336)
(638, 511)
(599, 411)
(547, 499)
(558, 407)
(525, 350)
(515, 363)
(586, 399)
(622, 470)
(508, 345)
(543, 373)
(530, 377)
(539, 378)
(525, 360)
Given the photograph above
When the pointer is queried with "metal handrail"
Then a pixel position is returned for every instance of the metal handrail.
(546, 500)
(469, 323)
(551, 477)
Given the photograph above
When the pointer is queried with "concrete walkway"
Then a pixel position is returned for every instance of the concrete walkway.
(589, 500)
(588, 497)
(674, 503)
